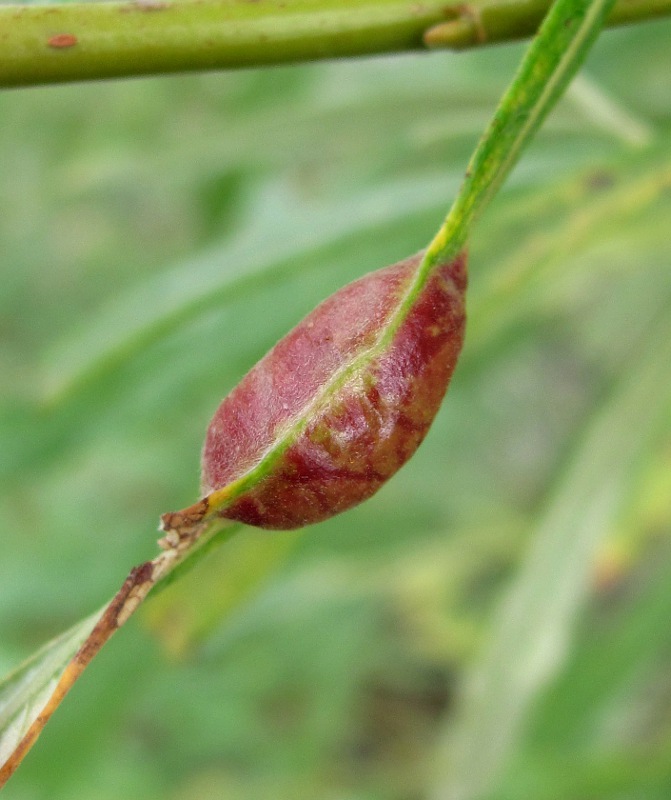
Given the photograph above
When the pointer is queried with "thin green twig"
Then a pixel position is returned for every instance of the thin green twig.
(64, 42)
(546, 70)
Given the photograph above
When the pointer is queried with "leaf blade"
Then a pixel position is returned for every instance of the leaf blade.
(26, 690)
(531, 632)
(25, 707)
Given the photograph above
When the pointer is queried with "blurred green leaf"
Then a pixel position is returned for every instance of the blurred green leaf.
(531, 633)
(602, 713)
(578, 214)
(184, 613)
(270, 247)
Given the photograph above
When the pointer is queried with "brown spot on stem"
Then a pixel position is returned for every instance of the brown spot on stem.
(62, 40)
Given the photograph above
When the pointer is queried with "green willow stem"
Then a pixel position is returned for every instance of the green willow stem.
(88, 41)
(503, 21)
(551, 61)
(155, 36)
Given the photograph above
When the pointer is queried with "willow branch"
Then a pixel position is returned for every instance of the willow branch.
(88, 41)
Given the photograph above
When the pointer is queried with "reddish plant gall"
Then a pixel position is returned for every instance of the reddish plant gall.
(340, 403)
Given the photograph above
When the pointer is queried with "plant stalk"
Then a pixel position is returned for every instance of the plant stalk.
(553, 58)
(89, 41)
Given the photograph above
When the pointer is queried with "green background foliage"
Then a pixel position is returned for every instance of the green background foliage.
(158, 236)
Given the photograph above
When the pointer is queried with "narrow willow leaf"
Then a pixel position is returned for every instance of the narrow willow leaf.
(532, 631)
(374, 360)
(345, 399)
(615, 671)
(608, 113)
(31, 694)
(610, 667)
(24, 693)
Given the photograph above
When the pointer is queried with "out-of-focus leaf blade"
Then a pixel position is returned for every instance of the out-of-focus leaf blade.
(532, 631)
(262, 252)
(608, 113)
(546, 258)
(611, 676)
(187, 610)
